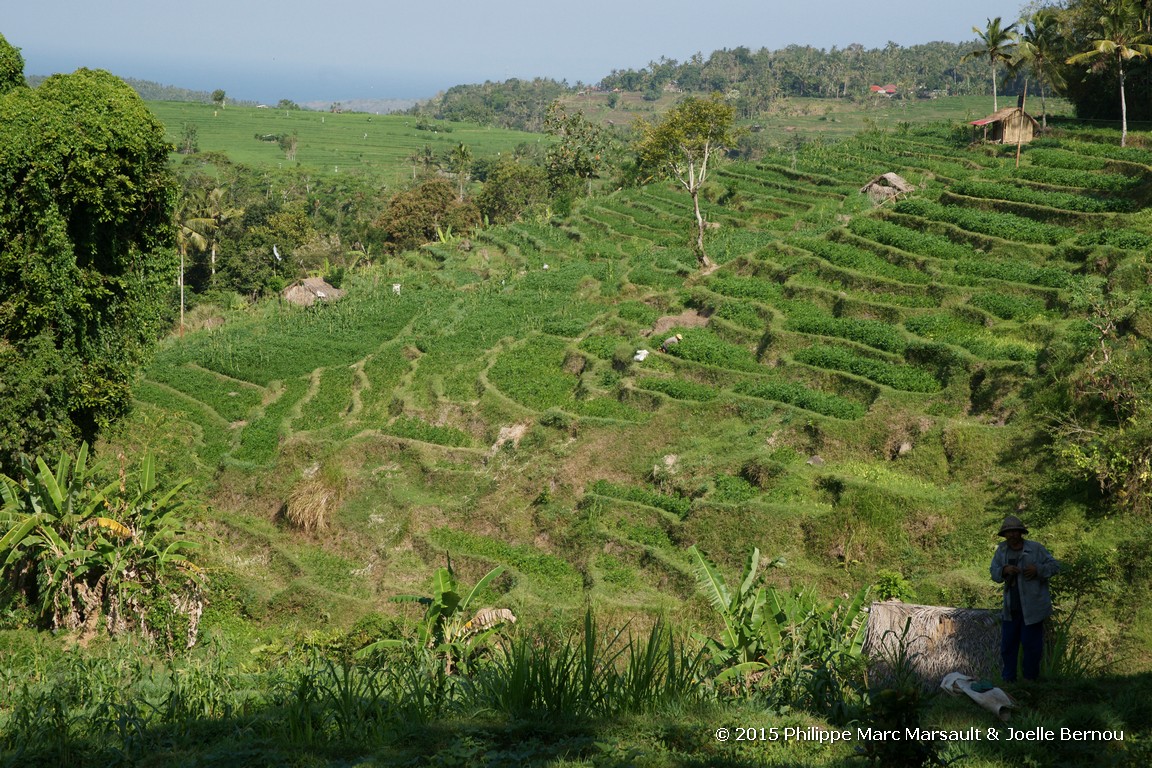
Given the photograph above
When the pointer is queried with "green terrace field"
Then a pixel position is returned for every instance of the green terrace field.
(847, 396)
(478, 406)
(376, 145)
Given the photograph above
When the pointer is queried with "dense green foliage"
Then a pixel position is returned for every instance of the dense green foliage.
(85, 211)
(108, 556)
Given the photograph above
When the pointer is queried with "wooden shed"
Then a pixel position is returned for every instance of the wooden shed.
(306, 292)
(1011, 125)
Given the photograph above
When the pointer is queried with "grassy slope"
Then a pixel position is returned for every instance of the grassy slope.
(397, 404)
(375, 145)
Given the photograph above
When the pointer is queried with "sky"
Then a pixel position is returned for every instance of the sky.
(376, 49)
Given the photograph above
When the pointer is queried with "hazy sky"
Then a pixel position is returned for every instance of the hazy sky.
(343, 49)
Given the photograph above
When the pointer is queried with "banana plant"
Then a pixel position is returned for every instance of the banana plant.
(448, 628)
(81, 551)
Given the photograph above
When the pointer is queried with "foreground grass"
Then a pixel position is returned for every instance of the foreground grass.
(310, 705)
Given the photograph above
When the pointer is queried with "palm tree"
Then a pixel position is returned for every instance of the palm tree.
(460, 161)
(997, 46)
(1039, 48)
(193, 228)
(216, 207)
(1121, 37)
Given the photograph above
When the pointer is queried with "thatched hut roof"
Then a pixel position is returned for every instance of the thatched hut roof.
(938, 640)
(887, 186)
(306, 292)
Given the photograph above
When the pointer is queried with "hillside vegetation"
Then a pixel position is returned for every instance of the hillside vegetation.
(861, 392)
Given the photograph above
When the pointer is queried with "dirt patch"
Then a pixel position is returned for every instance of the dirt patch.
(510, 435)
(689, 318)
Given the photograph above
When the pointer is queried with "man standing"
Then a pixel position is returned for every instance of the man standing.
(1023, 567)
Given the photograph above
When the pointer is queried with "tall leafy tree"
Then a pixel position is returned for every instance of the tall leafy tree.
(581, 146)
(85, 249)
(684, 146)
(11, 67)
(1039, 48)
(997, 46)
(1120, 35)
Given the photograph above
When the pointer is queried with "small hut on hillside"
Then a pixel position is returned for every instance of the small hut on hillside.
(886, 186)
(938, 640)
(1011, 125)
(306, 292)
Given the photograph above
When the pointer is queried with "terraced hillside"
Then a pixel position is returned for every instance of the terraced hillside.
(845, 395)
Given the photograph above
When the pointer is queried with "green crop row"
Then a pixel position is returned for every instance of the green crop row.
(1109, 151)
(756, 288)
(679, 389)
(261, 438)
(384, 370)
(644, 274)
(603, 347)
(1015, 271)
(525, 559)
(607, 408)
(532, 374)
(1116, 237)
(1008, 226)
(1072, 177)
(677, 505)
(233, 400)
(1057, 157)
(850, 257)
(418, 429)
(1008, 307)
(331, 399)
(702, 346)
(1083, 203)
(805, 318)
(798, 395)
(907, 378)
(966, 334)
(742, 314)
(215, 437)
(910, 240)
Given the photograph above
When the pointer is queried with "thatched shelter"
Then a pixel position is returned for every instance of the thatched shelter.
(305, 293)
(939, 640)
(886, 186)
(1011, 125)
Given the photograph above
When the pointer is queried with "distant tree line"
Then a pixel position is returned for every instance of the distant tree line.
(517, 104)
(758, 77)
(752, 79)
